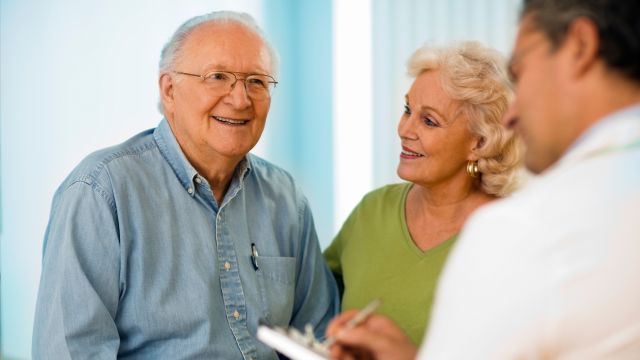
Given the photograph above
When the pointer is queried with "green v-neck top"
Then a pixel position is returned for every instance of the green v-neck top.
(373, 256)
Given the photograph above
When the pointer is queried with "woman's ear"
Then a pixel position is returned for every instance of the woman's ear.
(477, 144)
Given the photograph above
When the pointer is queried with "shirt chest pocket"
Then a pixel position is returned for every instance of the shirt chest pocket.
(277, 278)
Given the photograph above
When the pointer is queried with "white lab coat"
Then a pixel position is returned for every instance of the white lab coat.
(554, 270)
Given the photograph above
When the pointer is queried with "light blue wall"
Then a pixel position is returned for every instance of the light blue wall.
(299, 130)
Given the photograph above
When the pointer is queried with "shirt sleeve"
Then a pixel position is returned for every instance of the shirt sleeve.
(79, 285)
(332, 257)
(333, 253)
(488, 305)
(316, 294)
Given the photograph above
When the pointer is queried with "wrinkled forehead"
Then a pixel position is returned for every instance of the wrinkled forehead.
(225, 46)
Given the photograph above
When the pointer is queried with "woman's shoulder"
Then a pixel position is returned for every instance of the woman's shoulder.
(377, 213)
(381, 201)
(386, 193)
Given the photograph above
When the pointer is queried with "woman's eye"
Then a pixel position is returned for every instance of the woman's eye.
(407, 110)
(429, 122)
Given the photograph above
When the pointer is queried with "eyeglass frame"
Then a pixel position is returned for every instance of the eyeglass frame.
(235, 74)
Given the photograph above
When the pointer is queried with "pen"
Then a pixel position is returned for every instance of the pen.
(254, 256)
(356, 320)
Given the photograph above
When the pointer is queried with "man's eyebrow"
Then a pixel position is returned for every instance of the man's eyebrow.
(214, 66)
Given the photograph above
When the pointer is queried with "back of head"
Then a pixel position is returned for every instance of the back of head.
(476, 76)
(617, 21)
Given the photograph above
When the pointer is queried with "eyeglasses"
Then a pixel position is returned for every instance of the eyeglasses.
(258, 86)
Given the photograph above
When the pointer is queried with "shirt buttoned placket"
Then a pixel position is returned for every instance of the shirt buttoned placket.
(232, 292)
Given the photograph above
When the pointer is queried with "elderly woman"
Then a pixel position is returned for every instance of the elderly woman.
(455, 158)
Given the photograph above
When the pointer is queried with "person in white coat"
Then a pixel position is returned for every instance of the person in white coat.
(552, 271)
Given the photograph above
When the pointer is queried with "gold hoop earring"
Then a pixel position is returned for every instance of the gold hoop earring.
(472, 168)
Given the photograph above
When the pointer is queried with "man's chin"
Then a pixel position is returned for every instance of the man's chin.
(535, 164)
(237, 152)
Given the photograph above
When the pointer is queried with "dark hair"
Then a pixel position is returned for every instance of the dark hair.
(618, 23)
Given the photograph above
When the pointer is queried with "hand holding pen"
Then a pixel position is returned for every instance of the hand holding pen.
(376, 337)
(356, 320)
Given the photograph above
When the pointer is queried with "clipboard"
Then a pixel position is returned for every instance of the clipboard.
(291, 343)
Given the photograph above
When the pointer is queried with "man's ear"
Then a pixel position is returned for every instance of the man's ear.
(582, 42)
(165, 83)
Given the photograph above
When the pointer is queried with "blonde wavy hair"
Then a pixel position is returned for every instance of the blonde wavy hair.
(476, 76)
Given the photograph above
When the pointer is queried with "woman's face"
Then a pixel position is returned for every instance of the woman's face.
(436, 141)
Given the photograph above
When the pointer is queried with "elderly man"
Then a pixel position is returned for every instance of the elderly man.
(553, 271)
(175, 243)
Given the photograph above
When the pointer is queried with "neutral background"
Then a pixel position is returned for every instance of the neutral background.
(78, 75)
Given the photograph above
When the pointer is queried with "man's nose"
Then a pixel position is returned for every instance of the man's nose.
(238, 96)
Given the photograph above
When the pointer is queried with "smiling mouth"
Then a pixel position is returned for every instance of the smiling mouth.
(408, 154)
(229, 121)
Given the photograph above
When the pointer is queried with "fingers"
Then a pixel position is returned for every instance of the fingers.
(339, 321)
(379, 337)
(339, 352)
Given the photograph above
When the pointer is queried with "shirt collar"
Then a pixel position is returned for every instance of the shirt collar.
(613, 132)
(185, 172)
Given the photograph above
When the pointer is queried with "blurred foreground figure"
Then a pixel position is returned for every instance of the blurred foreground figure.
(553, 270)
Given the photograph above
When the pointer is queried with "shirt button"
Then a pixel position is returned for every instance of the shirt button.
(190, 190)
(227, 266)
(236, 314)
(198, 179)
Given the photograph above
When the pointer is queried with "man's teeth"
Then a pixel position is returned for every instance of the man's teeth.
(230, 121)
(410, 153)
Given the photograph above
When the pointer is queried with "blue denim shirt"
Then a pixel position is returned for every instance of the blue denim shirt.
(140, 262)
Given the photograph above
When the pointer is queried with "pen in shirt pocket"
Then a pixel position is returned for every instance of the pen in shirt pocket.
(254, 256)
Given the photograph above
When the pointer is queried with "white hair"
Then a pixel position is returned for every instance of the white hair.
(171, 49)
(476, 76)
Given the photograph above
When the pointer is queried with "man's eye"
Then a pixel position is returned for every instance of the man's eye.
(256, 81)
(218, 76)
(407, 110)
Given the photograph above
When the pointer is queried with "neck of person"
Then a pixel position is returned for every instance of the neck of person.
(601, 95)
(447, 199)
(217, 170)
(435, 212)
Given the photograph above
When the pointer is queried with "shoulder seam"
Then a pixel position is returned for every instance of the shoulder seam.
(97, 188)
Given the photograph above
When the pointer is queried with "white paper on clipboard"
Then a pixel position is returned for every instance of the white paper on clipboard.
(287, 345)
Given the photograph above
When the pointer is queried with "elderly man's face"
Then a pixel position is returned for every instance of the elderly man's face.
(212, 126)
